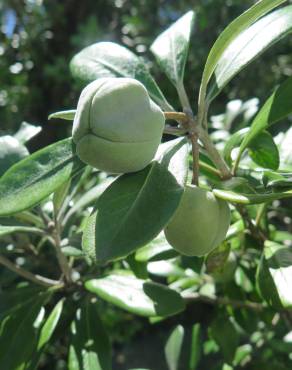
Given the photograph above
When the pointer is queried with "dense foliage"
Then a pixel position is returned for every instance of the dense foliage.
(88, 280)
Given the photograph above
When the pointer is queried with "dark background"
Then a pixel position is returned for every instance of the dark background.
(39, 37)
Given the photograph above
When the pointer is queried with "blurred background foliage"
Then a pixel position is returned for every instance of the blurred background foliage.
(39, 37)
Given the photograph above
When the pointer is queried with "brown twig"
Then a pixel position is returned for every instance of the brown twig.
(176, 116)
(37, 279)
(215, 155)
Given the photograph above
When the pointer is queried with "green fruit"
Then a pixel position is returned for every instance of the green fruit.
(117, 127)
(226, 272)
(199, 224)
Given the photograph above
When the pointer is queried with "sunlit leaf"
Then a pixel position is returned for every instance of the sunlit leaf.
(171, 47)
(242, 198)
(67, 115)
(173, 348)
(248, 45)
(107, 59)
(45, 334)
(31, 180)
(138, 296)
(228, 35)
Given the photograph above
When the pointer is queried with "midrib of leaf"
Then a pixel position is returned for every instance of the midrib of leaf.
(173, 56)
(140, 192)
(109, 66)
(231, 61)
(158, 98)
(49, 173)
(139, 195)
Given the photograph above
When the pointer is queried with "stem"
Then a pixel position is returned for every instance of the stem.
(37, 279)
(196, 154)
(215, 155)
(209, 168)
(63, 262)
(194, 136)
(196, 297)
(176, 116)
(183, 97)
(236, 164)
(256, 232)
(261, 211)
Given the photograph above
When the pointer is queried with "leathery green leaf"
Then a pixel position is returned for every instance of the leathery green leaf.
(107, 59)
(138, 296)
(31, 180)
(136, 207)
(171, 47)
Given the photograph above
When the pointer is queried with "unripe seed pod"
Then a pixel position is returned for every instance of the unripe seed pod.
(199, 224)
(117, 127)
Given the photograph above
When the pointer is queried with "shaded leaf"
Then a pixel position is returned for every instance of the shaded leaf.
(12, 300)
(225, 335)
(45, 334)
(139, 268)
(60, 195)
(233, 142)
(6, 230)
(87, 199)
(138, 296)
(107, 59)
(34, 178)
(90, 347)
(173, 348)
(136, 207)
(277, 180)
(171, 47)
(262, 149)
(264, 152)
(277, 107)
(18, 335)
(196, 347)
